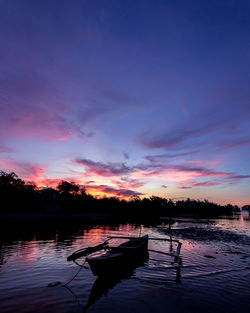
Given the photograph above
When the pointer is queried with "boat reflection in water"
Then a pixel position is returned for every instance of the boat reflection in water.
(104, 283)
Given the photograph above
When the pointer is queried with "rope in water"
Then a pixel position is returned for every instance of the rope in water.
(81, 267)
(73, 277)
(64, 285)
(104, 246)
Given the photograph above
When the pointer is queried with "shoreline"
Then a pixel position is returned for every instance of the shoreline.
(100, 216)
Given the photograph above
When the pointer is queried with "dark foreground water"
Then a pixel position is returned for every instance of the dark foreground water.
(215, 276)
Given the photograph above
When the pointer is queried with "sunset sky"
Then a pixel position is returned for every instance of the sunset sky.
(128, 97)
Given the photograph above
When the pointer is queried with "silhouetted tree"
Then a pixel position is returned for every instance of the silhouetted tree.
(16, 195)
(10, 180)
(246, 207)
(67, 188)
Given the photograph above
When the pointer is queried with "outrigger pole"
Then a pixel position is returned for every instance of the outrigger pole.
(177, 257)
(86, 251)
(164, 239)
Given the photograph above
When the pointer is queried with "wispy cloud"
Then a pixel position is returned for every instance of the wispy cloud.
(205, 184)
(4, 149)
(166, 156)
(105, 189)
(26, 170)
(188, 174)
(199, 171)
(126, 182)
(234, 143)
(137, 176)
(34, 107)
(194, 183)
(49, 182)
(176, 138)
(184, 187)
(126, 155)
(104, 169)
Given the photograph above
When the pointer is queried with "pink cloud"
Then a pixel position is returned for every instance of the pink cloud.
(186, 175)
(205, 184)
(32, 107)
(26, 170)
(39, 123)
(108, 190)
(48, 182)
(192, 184)
(126, 182)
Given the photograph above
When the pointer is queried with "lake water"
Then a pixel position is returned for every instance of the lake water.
(215, 274)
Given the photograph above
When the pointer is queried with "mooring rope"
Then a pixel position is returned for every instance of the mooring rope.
(73, 277)
(64, 285)
(81, 267)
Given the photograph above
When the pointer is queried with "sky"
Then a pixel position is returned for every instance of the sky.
(128, 98)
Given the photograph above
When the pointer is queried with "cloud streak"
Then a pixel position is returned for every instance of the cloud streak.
(167, 156)
(104, 169)
(137, 176)
(108, 190)
(177, 138)
(26, 170)
(34, 107)
(4, 149)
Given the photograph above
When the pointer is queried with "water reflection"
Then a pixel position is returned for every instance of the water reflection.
(32, 256)
(103, 284)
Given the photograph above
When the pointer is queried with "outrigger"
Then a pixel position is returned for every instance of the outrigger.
(129, 254)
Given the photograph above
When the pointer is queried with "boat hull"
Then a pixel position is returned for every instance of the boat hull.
(126, 256)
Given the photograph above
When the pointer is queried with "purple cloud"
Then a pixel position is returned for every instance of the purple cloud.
(205, 184)
(184, 187)
(125, 182)
(163, 157)
(202, 171)
(104, 169)
(4, 149)
(234, 143)
(156, 166)
(34, 107)
(175, 138)
(126, 155)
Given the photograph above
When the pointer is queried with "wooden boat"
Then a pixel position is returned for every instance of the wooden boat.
(125, 257)
(117, 259)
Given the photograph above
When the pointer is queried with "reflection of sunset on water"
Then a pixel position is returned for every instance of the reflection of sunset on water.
(211, 249)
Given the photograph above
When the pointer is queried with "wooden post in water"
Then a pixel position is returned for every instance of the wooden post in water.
(178, 260)
(178, 273)
(171, 242)
(177, 255)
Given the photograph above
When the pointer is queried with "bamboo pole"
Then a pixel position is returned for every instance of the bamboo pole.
(164, 239)
(161, 252)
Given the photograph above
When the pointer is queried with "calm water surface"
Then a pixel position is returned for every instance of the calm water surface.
(214, 277)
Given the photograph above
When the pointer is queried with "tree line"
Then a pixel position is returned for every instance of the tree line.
(16, 196)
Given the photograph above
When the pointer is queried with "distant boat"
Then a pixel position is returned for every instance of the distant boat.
(120, 258)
